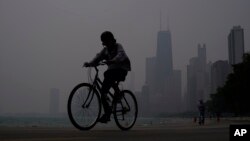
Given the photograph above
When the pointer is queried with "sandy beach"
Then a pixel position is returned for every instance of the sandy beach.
(170, 132)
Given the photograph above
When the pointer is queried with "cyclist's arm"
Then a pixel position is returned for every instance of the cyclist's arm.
(121, 55)
(99, 57)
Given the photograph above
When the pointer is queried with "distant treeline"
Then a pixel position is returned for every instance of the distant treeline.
(234, 96)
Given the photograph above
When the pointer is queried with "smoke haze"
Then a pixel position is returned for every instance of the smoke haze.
(43, 43)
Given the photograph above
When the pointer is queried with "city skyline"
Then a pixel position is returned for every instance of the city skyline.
(163, 86)
(41, 49)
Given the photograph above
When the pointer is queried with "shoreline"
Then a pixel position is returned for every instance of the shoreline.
(162, 131)
(141, 122)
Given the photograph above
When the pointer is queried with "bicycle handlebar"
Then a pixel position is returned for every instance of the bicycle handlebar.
(99, 64)
(95, 66)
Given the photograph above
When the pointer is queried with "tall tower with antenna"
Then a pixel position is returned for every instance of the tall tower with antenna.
(164, 59)
(163, 83)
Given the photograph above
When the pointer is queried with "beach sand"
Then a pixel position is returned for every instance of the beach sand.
(211, 131)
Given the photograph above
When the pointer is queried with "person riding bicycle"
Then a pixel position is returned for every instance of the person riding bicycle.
(118, 66)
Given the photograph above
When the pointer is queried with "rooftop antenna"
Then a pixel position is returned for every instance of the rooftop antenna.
(160, 19)
(168, 22)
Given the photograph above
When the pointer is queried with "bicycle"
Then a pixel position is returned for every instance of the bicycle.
(85, 106)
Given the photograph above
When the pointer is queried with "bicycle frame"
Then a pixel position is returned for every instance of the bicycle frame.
(97, 83)
(88, 95)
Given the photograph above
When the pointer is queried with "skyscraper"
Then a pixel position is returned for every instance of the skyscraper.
(219, 72)
(191, 84)
(202, 57)
(54, 101)
(236, 45)
(197, 79)
(150, 72)
(162, 82)
(173, 92)
(164, 60)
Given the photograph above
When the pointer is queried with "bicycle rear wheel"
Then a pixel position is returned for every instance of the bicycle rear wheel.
(84, 106)
(125, 110)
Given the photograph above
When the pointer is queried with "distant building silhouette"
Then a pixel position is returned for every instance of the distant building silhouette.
(173, 90)
(164, 59)
(150, 79)
(198, 85)
(219, 72)
(236, 45)
(145, 100)
(54, 102)
(162, 84)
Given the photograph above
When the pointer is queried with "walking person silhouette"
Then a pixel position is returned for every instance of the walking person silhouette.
(201, 108)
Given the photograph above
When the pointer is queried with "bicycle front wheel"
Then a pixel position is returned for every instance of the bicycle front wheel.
(125, 110)
(84, 106)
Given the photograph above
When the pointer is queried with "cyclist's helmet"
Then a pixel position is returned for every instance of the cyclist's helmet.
(107, 37)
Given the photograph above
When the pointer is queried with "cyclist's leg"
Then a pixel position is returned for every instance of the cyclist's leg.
(110, 77)
(107, 83)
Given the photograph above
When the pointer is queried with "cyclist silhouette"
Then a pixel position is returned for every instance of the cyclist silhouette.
(118, 66)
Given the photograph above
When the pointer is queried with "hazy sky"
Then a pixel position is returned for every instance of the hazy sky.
(43, 43)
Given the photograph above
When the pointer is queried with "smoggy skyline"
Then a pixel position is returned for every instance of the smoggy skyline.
(43, 43)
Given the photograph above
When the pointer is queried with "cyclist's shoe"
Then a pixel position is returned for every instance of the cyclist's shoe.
(104, 119)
